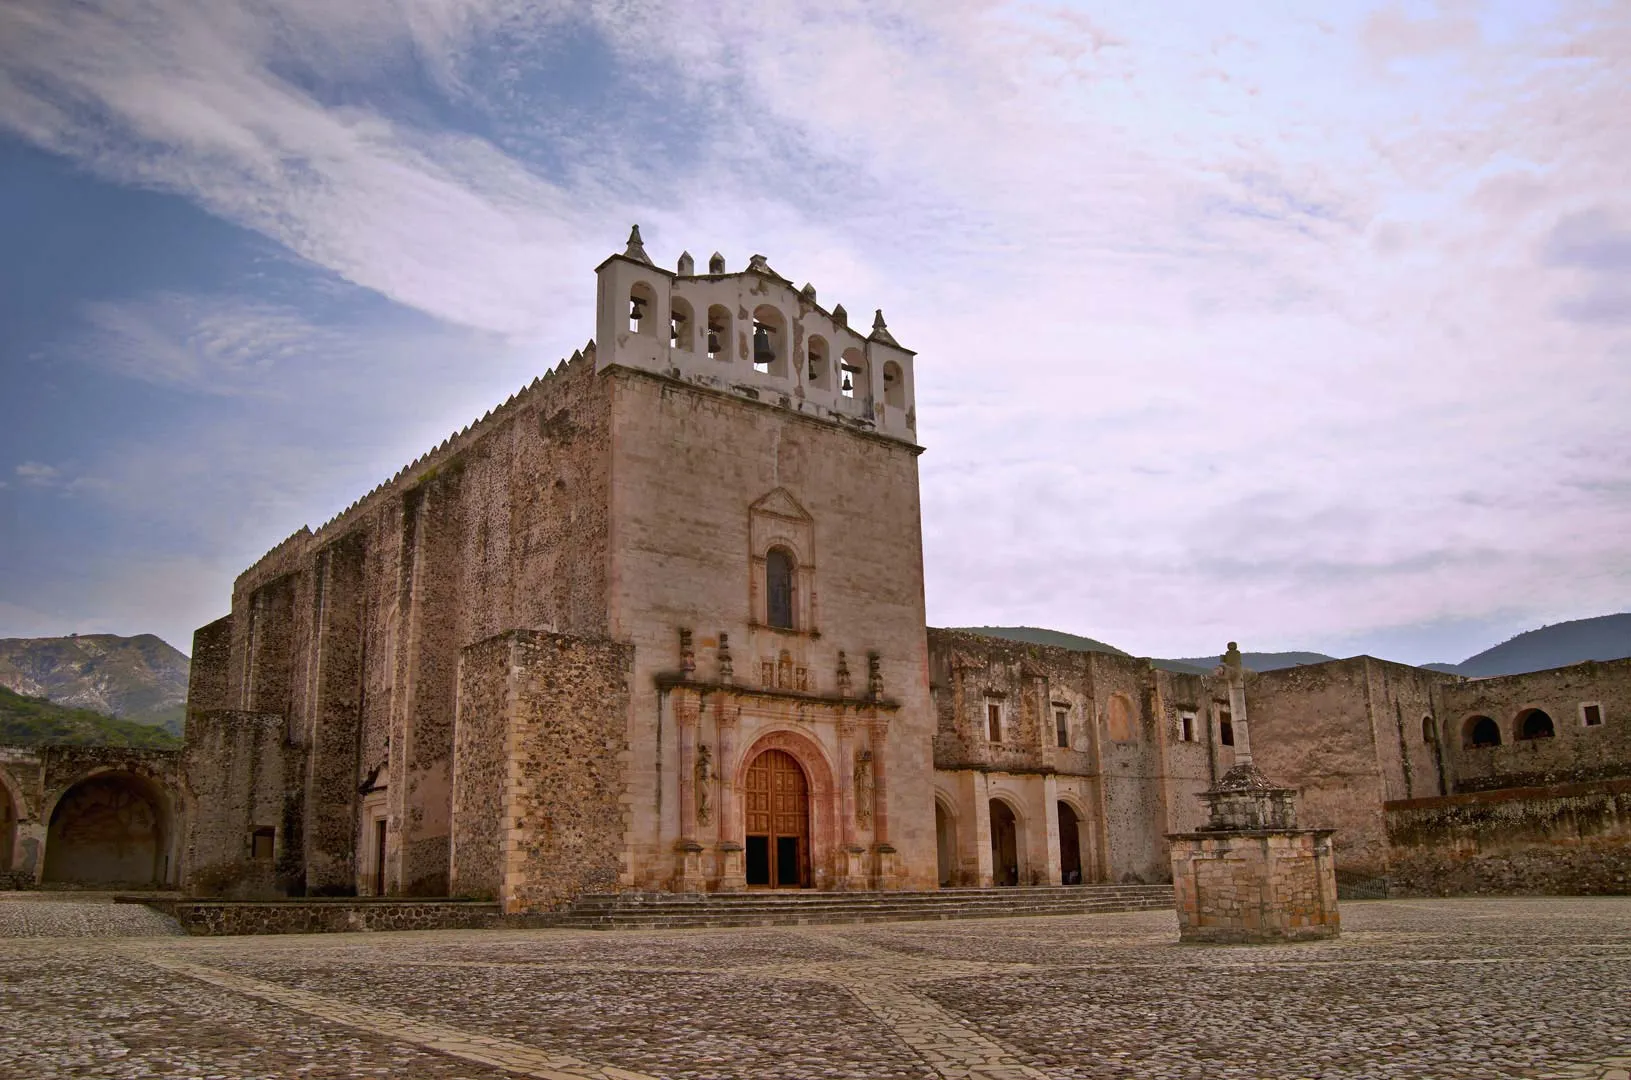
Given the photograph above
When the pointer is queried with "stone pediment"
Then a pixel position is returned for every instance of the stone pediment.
(780, 504)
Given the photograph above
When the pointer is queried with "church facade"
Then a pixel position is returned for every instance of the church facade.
(657, 622)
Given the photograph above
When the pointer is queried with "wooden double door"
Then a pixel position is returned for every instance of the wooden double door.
(776, 849)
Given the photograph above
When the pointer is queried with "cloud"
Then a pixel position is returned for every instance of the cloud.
(1234, 323)
(36, 474)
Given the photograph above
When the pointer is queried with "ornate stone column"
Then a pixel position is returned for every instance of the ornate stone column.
(888, 869)
(850, 873)
(732, 872)
(688, 861)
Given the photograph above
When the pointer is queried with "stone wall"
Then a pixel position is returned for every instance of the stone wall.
(1254, 887)
(1572, 839)
(237, 784)
(1575, 753)
(218, 918)
(705, 482)
(556, 708)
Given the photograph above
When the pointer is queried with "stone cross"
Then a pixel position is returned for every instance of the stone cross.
(1237, 703)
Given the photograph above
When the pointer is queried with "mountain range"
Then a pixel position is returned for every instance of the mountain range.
(1607, 637)
(140, 679)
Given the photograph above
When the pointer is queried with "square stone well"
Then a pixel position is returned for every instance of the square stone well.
(1255, 886)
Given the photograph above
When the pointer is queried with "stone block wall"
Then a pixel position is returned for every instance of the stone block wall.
(1566, 840)
(235, 774)
(1255, 887)
(1576, 753)
(557, 707)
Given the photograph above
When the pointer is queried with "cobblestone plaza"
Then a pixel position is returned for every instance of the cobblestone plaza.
(1451, 988)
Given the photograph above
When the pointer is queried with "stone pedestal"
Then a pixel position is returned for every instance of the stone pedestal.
(888, 868)
(852, 874)
(1251, 876)
(732, 873)
(688, 869)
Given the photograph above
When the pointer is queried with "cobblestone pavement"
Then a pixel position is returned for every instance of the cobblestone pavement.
(1452, 990)
(54, 914)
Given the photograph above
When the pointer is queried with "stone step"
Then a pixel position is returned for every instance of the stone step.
(610, 911)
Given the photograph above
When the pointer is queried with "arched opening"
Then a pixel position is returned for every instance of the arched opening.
(1480, 731)
(8, 829)
(852, 381)
(110, 829)
(1428, 733)
(1004, 844)
(894, 386)
(719, 333)
(819, 373)
(681, 325)
(769, 341)
(776, 800)
(1070, 845)
(1534, 724)
(1119, 718)
(945, 840)
(642, 308)
(779, 567)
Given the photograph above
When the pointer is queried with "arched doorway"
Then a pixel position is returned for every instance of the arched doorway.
(1070, 846)
(1480, 731)
(776, 849)
(1535, 724)
(109, 829)
(945, 837)
(1004, 844)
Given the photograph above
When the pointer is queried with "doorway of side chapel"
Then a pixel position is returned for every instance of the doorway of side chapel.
(776, 848)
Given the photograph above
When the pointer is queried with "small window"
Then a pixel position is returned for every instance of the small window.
(261, 844)
(993, 721)
(1186, 727)
(1428, 733)
(779, 588)
(1061, 728)
(1226, 728)
(1591, 715)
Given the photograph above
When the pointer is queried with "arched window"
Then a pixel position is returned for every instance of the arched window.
(894, 386)
(1427, 732)
(681, 333)
(779, 588)
(1535, 724)
(1480, 731)
(642, 308)
(719, 333)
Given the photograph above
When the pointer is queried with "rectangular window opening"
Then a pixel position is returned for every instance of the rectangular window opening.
(262, 843)
(1591, 715)
(1186, 728)
(1061, 728)
(1226, 729)
(993, 722)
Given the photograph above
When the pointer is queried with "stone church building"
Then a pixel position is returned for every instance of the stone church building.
(657, 622)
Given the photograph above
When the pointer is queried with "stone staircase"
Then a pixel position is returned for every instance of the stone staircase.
(635, 910)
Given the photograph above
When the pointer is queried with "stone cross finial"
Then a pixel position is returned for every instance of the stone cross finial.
(1234, 670)
(636, 250)
(877, 321)
(880, 332)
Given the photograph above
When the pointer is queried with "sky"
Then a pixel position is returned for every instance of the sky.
(1307, 326)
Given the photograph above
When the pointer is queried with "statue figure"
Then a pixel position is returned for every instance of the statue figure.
(704, 773)
(863, 788)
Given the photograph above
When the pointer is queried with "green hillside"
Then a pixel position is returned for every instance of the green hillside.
(137, 678)
(32, 721)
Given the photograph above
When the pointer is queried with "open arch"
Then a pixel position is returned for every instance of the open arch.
(719, 333)
(945, 839)
(894, 385)
(642, 308)
(1534, 724)
(1480, 731)
(681, 325)
(770, 344)
(1070, 845)
(819, 369)
(112, 828)
(853, 381)
(1005, 847)
(816, 857)
(1429, 734)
